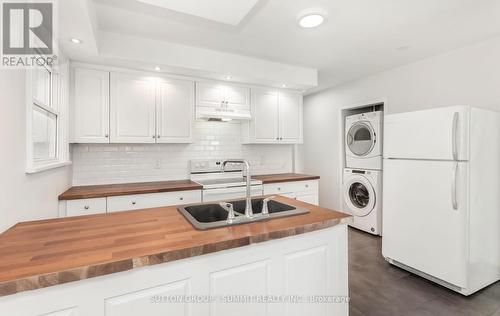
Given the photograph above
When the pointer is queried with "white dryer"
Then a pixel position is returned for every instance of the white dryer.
(363, 140)
(363, 199)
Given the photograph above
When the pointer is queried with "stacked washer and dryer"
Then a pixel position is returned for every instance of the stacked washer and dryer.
(362, 182)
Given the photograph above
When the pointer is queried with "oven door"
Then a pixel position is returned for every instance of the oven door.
(224, 194)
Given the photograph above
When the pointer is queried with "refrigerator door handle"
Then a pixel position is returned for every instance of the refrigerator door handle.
(454, 145)
(454, 201)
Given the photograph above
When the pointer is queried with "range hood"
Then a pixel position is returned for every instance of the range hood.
(223, 115)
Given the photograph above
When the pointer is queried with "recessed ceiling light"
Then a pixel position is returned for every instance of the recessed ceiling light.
(283, 85)
(229, 77)
(76, 40)
(157, 68)
(311, 20)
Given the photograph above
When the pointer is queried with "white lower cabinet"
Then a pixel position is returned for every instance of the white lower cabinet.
(66, 312)
(305, 191)
(149, 301)
(249, 280)
(85, 207)
(127, 202)
(246, 280)
(141, 201)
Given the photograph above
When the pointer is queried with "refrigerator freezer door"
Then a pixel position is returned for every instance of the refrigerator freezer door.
(425, 217)
(437, 134)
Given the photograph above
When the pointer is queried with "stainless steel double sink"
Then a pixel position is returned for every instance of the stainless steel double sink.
(207, 216)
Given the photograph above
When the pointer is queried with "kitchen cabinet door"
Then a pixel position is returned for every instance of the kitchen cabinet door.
(90, 106)
(174, 111)
(237, 98)
(222, 95)
(264, 127)
(209, 95)
(308, 198)
(132, 109)
(290, 117)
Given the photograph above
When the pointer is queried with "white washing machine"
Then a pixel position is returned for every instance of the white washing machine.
(363, 199)
(363, 140)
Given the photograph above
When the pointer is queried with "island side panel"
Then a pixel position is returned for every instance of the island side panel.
(304, 266)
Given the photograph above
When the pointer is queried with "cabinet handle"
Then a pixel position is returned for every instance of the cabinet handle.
(154, 136)
(181, 198)
(106, 135)
(158, 136)
(133, 202)
(279, 189)
(86, 207)
(307, 185)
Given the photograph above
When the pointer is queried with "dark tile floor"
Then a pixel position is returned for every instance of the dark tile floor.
(378, 288)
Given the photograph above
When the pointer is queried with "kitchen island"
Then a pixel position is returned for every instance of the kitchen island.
(153, 262)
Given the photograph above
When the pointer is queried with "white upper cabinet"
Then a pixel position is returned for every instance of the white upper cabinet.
(215, 95)
(290, 117)
(133, 117)
(237, 97)
(90, 106)
(276, 118)
(265, 115)
(130, 108)
(174, 111)
(209, 95)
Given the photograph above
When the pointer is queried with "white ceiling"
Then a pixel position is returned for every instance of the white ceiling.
(223, 11)
(359, 37)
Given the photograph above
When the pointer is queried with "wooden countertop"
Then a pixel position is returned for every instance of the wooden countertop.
(44, 253)
(284, 177)
(95, 191)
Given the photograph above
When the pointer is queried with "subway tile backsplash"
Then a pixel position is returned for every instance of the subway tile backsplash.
(121, 163)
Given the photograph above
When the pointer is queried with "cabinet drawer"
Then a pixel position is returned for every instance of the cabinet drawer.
(85, 207)
(140, 201)
(291, 187)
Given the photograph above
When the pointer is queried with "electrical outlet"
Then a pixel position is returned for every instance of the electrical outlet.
(158, 164)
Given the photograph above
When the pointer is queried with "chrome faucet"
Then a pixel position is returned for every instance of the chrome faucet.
(230, 211)
(248, 206)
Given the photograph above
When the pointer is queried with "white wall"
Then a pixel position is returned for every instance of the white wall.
(119, 163)
(469, 76)
(23, 197)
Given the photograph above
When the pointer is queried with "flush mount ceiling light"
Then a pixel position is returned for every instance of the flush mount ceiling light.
(283, 85)
(76, 40)
(311, 19)
(157, 68)
(229, 77)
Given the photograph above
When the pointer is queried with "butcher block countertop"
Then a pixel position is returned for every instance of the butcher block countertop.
(97, 191)
(284, 177)
(44, 253)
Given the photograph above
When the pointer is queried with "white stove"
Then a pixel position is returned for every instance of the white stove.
(219, 185)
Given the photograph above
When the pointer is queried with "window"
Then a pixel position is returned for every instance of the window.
(46, 148)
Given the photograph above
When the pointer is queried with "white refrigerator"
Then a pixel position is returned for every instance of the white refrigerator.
(441, 195)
